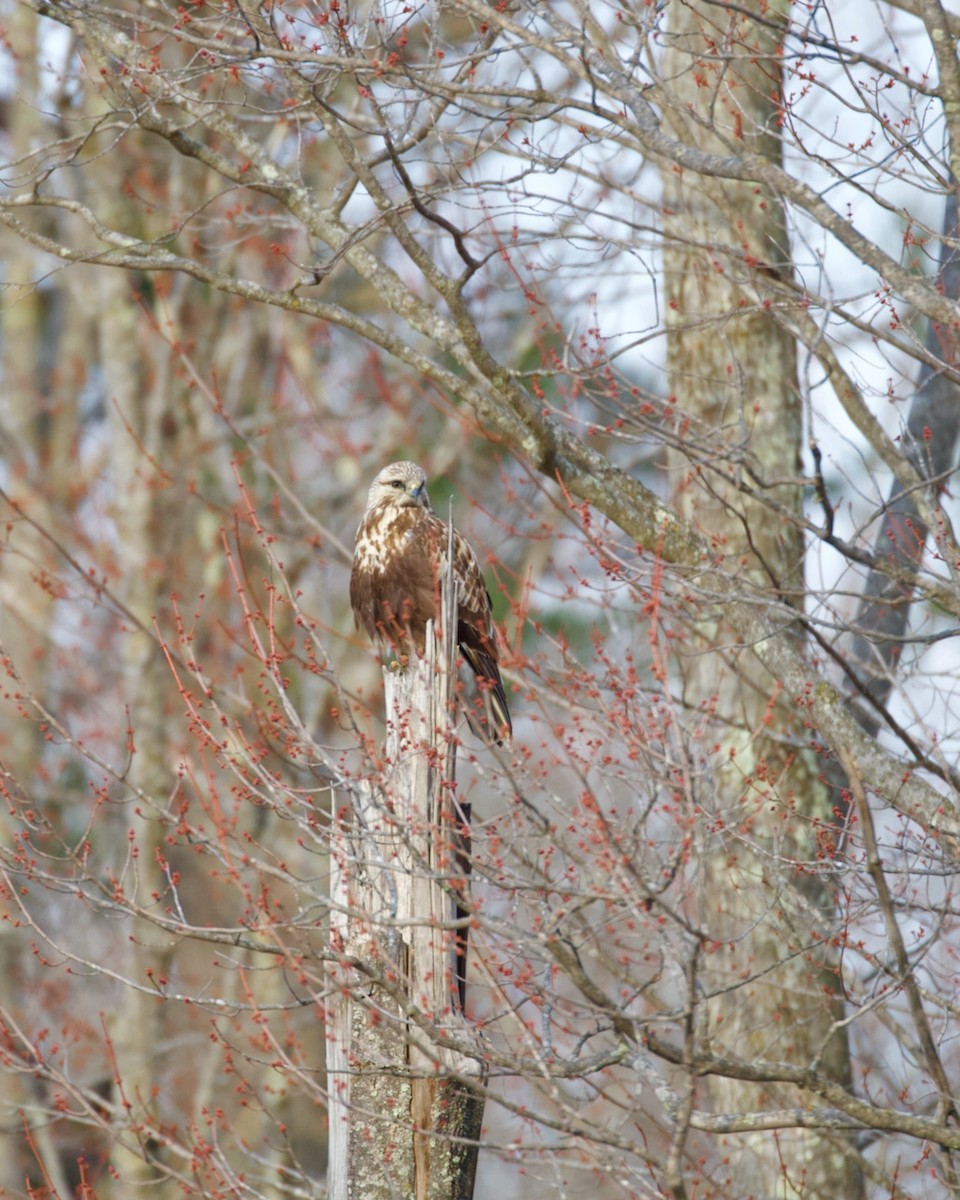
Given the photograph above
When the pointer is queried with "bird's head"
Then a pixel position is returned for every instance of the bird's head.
(400, 485)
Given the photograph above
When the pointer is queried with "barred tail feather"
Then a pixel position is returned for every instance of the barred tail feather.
(493, 696)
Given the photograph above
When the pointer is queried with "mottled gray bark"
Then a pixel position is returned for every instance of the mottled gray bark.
(776, 994)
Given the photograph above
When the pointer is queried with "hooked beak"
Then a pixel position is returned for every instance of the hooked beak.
(412, 495)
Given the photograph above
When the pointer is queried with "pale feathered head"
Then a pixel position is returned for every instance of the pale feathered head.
(400, 485)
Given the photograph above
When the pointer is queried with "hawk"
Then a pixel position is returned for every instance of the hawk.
(394, 584)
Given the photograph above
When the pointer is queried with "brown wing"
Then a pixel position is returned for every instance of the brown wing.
(476, 636)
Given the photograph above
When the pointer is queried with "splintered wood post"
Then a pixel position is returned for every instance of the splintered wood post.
(404, 1119)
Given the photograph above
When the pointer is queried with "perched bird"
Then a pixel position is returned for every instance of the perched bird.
(400, 550)
(394, 585)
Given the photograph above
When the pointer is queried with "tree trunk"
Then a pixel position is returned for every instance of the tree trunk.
(402, 1122)
(776, 990)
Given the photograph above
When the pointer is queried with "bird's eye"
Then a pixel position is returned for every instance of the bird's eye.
(396, 483)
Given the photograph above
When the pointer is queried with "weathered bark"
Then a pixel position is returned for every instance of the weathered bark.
(402, 1122)
(776, 991)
